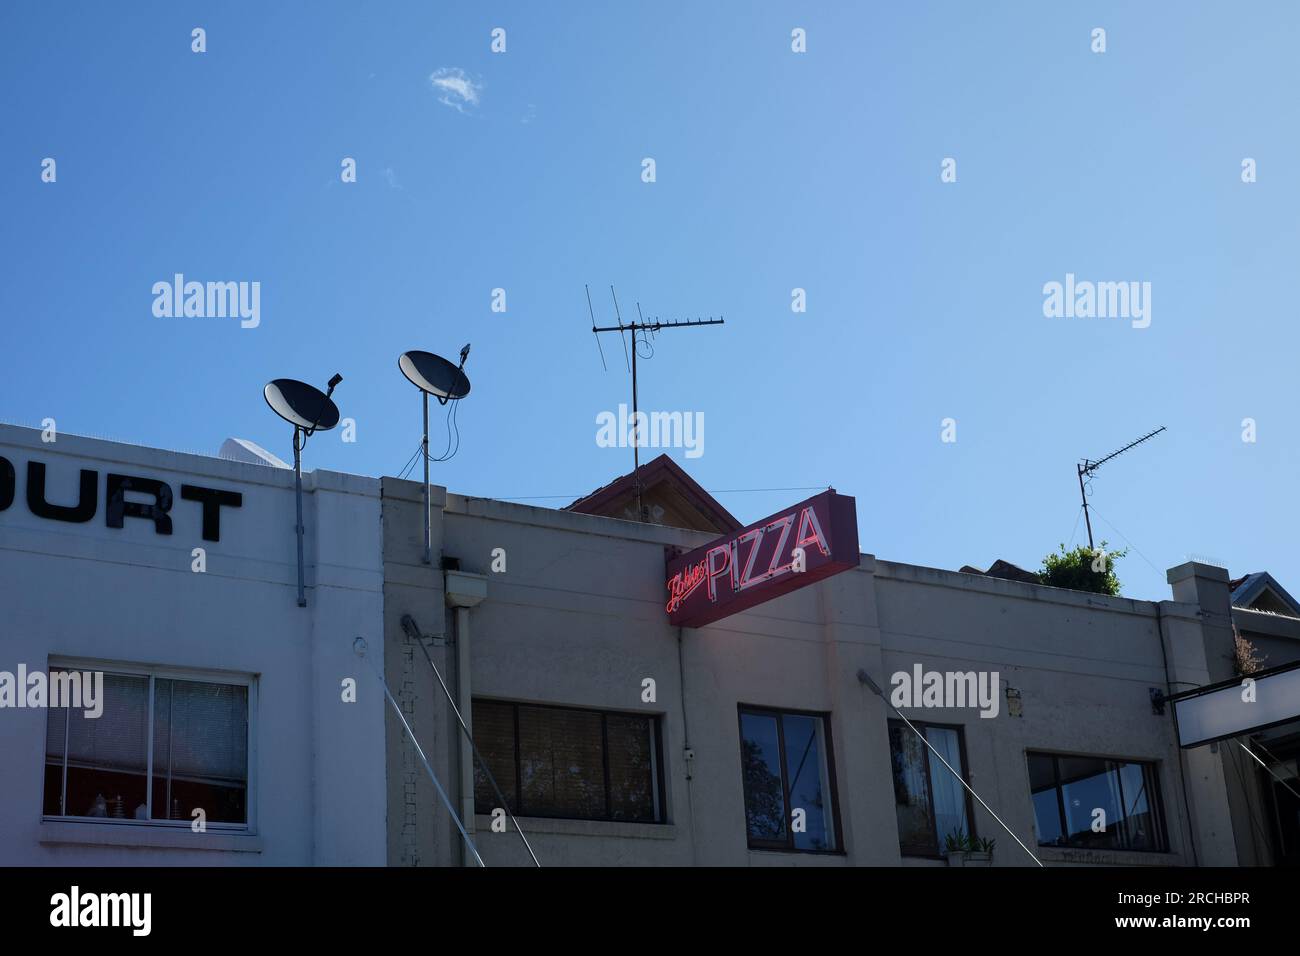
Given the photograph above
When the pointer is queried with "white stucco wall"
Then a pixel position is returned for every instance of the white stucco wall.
(129, 596)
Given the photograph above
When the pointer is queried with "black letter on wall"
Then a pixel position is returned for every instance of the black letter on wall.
(87, 497)
(7, 483)
(116, 507)
(212, 499)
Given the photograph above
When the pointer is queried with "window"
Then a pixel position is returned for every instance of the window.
(930, 802)
(1096, 803)
(789, 787)
(161, 748)
(569, 763)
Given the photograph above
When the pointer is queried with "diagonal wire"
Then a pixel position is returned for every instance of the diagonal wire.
(1126, 540)
(483, 763)
(361, 652)
(1077, 515)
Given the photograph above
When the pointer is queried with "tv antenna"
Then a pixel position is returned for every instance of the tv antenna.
(308, 410)
(1087, 468)
(434, 375)
(644, 329)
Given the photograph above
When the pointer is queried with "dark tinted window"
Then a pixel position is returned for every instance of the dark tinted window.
(566, 762)
(1096, 803)
(931, 803)
(786, 777)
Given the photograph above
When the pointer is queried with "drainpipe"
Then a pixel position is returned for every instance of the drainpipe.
(464, 591)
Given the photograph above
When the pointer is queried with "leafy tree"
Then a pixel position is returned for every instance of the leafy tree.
(1082, 569)
(764, 799)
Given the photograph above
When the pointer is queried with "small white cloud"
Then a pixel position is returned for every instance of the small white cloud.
(455, 88)
(391, 178)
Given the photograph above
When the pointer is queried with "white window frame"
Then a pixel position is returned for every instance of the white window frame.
(155, 673)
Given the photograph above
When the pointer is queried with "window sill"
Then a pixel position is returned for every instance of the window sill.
(771, 856)
(592, 828)
(795, 851)
(135, 835)
(1079, 855)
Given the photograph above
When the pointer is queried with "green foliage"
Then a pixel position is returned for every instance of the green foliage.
(1082, 569)
(958, 841)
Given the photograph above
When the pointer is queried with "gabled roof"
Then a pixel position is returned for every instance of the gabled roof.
(1261, 592)
(672, 496)
(1005, 570)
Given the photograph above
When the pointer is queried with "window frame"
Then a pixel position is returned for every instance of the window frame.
(915, 850)
(787, 845)
(154, 673)
(658, 789)
(1155, 799)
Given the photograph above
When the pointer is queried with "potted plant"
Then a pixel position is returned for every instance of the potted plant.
(965, 850)
(955, 848)
(979, 852)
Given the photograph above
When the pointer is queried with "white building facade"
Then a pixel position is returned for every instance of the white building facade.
(223, 734)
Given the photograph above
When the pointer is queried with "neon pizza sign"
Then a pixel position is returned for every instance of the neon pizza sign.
(793, 548)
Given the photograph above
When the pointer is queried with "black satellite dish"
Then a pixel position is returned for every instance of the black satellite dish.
(433, 375)
(301, 405)
(308, 410)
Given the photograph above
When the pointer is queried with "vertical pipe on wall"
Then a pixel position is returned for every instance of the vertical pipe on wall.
(463, 705)
(297, 490)
(424, 446)
(1182, 767)
(687, 752)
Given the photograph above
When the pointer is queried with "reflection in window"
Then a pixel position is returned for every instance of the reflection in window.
(99, 767)
(930, 802)
(1096, 803)
(567, 763)
(786, 776)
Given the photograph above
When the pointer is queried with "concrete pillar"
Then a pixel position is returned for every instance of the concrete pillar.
(1206, 586)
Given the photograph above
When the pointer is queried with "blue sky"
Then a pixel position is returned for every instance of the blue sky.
(775, 170)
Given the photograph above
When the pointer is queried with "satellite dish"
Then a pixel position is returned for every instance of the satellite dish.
(302, 405)
(308, 410)
(434, 375)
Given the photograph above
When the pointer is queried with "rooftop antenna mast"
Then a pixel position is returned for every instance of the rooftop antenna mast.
(1086, 468)
(644, 329)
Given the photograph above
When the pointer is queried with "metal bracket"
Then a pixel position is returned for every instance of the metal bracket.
(1157, 701)
(412, 631)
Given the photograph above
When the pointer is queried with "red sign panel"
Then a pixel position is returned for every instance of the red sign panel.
(795, 547)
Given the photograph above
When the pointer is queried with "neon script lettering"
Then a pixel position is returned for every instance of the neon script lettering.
(684, 583)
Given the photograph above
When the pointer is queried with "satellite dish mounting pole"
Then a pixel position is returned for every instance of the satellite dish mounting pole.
(434, 375)
(428, 533)
(297, 490)
(308, 410)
